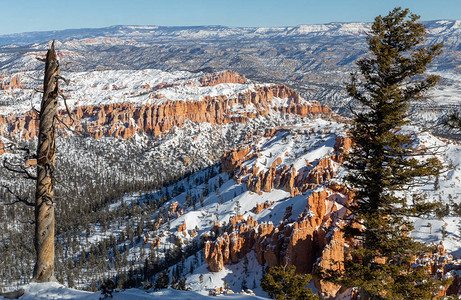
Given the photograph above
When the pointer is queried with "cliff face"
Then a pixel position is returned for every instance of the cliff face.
(300, 243)
(123, 120)
(282, 176)
(222, 77)
(307, 238)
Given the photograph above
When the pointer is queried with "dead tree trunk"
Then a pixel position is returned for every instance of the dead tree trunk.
(44, 194)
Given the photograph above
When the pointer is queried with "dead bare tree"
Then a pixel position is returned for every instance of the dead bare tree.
(46, 155)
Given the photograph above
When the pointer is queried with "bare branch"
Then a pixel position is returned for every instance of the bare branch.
(18, 198)
(67, 81)
(65, 103)
(65, 125)
(36, 111)
(18, 169)
(31, 222)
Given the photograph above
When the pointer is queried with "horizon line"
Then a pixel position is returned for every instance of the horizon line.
(209, 25)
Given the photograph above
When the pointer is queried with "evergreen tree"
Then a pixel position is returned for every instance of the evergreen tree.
(284, 283)
(162, 281)
(383, 162)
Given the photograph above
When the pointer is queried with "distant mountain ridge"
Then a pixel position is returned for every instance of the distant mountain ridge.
(147, 32)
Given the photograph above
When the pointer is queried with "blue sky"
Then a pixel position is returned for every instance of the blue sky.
(38, 15)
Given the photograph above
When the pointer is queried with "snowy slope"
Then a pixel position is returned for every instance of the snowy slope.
(48, 291)
(225, 198)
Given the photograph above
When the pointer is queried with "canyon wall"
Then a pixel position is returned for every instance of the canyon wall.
(123, 120)
(308, 240)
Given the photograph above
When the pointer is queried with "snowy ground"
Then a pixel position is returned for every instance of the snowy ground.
(47, 291)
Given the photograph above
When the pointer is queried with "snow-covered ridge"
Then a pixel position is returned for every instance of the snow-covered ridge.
(122, 103)
(144, 33)
(140, 87)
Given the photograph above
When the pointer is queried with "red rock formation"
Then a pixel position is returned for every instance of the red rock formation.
(222, 77)
(217, 253)
(297, 244)
(301, 243)
(279, 175)
(123, 120)
(233, 159)
(332, 258)
(14, 83)
(455, 287)
(174, 210)
(146, 239)
(2, 148)
(262, 206)
(30, 162)
(182, 228)
(155, 243)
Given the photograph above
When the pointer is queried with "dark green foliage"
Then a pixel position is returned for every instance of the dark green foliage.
(178, 284)
(284, 283)
(107, 288)
(383, 162)
(162, 281)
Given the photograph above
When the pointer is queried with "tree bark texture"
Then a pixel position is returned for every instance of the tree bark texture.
(44, 194)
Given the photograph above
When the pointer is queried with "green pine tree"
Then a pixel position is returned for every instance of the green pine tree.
(162, 281)
(382, 162)
(284, 283)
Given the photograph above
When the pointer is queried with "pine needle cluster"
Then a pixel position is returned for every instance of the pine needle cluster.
(283, 283)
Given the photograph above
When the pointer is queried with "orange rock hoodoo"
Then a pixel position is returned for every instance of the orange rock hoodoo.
(182, 228)
(174, 210)
(14, 83)
(282, 176)
(299, 243)
(306, 240)
(123, 120)
(222, 77)
(2, 147)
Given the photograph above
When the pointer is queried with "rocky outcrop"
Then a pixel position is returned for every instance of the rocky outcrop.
(262, 206)
(296, 243)
(454, 268)
(123, 120)
(307, 240)
(174, 210)
(155, 243)
(332, 258)
(232, 159)
(182, 228)
(2, 148)
(23, 126)
(222, 77)
(313, 239)
(13, 83)
(281, 176)
(442, 265)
